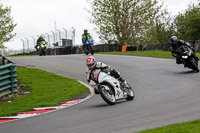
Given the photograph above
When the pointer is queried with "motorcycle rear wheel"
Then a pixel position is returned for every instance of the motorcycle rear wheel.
(107, 93)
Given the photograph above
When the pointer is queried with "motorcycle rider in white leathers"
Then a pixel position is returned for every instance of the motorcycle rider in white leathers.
(92, 65)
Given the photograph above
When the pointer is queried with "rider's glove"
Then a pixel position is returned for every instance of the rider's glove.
(88, 80)
(174, 54)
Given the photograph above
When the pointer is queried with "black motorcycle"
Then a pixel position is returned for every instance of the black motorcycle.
(88, 47)
(188, 57)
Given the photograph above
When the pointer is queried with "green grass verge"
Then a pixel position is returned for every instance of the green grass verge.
(188, 127)
(47, 89)
(21, 56)
(153, 53)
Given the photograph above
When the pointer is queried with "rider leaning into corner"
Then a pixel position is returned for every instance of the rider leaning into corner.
(92, 65)
(39, 40)
(175, 44)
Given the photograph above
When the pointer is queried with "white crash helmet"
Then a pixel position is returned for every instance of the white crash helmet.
(91, 62)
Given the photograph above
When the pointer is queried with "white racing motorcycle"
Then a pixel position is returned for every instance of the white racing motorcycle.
(111, 89)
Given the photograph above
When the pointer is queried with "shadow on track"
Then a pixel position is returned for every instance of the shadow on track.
(102, 105)
(186, 72)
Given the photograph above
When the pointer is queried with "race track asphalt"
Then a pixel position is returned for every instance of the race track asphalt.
(166, 93)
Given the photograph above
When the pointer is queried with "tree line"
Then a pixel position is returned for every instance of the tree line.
(135, 22)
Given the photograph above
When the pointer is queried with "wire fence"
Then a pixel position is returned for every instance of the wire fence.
(58, 38)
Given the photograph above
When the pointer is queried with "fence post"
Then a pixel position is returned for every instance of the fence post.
(13, 80)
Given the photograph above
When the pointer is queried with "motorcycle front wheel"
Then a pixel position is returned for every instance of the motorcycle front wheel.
(130, 93)
(107, 93)
(194, 64)
(86, 49)
(92, 50)
(42, 52)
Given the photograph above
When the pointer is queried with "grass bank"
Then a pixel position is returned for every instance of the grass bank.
(21, 56)
(46, 89)
(188, 127)
(153, 53)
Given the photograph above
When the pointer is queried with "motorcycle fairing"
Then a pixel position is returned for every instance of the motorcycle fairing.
(105, 78)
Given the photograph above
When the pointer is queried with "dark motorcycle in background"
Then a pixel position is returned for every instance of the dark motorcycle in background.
(88, 47)
(188, 57)
(43, 48)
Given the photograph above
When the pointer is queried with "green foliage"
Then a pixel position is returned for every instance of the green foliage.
(161, 32)
(47, 89)
(130, 22)
(6, 25)
(188, 23)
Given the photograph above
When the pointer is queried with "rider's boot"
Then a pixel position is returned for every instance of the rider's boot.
(124, 83)
(121, 79)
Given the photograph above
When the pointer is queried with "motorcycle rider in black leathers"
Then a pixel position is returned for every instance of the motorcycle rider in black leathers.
(40, 39)
(175, 44)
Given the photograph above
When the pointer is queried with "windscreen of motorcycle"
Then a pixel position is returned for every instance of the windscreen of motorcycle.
(43, 42)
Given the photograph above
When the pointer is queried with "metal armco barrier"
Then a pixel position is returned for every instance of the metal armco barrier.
(110, 48)
(8, 83)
